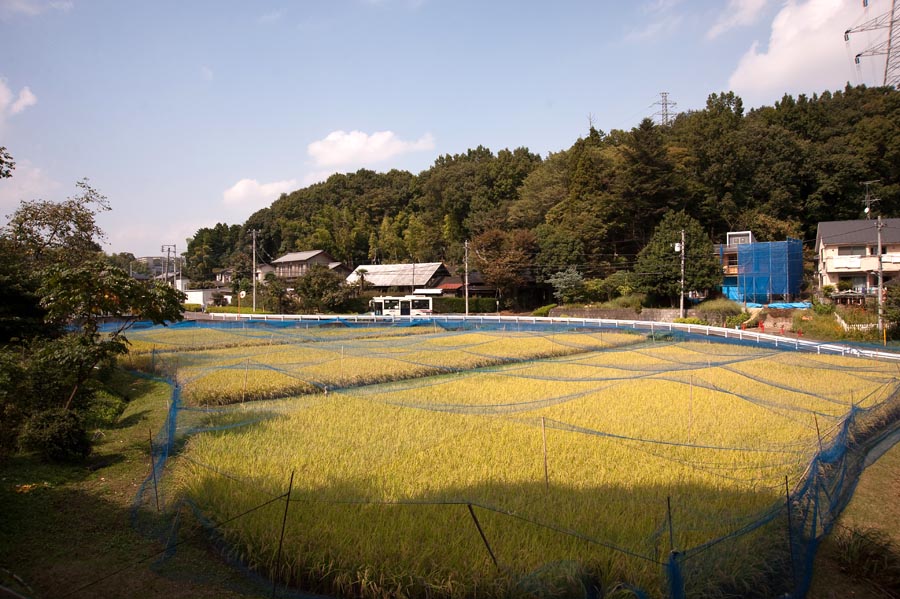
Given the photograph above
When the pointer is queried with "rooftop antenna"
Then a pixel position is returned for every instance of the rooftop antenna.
(870, 199)
(889, 47)
(665, 113)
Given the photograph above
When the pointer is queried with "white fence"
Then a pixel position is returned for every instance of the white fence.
(778, 341)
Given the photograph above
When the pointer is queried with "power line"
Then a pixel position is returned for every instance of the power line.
(890, 47)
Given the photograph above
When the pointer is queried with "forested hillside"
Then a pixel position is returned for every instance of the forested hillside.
(776, 170)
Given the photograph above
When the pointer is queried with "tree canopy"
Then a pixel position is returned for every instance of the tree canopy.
(659, 263)
(61, 287)
(777, 170)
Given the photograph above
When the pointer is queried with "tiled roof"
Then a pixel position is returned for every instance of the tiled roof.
(297, 256)
(398, 275)
(857, 232)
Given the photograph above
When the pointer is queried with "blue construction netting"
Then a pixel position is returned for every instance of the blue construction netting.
(786, 533)
(767, 272)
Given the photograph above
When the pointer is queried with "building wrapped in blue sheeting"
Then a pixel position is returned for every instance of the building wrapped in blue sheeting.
(761, 272)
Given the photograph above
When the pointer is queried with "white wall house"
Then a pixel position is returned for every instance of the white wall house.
(847, 250)
(204, 297)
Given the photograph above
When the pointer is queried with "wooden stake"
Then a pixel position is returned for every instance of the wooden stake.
(787, 493)
(287, 502)
(544, 435)
(246, 371)
(691, 411)
(481, 532)
(153, 470)
(671, 528)
(818, 434)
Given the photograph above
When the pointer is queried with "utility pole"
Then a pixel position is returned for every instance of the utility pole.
(466, 279)
(254, 271)
(869, 199)
(681, 306)
(880, 225)
(169, 250)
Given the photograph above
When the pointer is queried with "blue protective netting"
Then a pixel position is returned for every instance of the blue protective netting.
(766, 271)
(788, 532)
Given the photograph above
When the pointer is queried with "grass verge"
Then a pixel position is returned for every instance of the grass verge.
(862, 555)
(65, 531)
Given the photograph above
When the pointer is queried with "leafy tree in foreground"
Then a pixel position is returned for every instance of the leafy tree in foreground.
(58, 232)
(659, 265)
(92, 291)
(47, 376)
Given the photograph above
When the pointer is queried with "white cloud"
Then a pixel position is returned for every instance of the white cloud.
(32, 8)
(342, 148)
(738, 13)
(28, 182)
(10, 104)
(806, 53)
(25, 99)
(250, 193)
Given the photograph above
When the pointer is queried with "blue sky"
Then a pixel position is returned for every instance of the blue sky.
(190, 113)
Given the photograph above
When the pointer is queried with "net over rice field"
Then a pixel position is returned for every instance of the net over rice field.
(431, 463)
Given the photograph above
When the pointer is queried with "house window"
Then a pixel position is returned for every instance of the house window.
(852, 250)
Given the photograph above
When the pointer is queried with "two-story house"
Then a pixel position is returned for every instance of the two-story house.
(847, 250)
(297, 264)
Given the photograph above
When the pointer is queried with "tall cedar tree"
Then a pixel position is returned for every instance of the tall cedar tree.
(659, 265)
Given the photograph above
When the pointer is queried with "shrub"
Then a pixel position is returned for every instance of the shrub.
(690, 320)
(822, 309)
(827, 290)
(543, 310)
(103, 410)
(844, 285)
(718, 311)
(633, 301)
(57, 435)
(191, 307)
(737, 319)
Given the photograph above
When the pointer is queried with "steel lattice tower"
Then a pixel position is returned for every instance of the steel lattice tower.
(889, 47)
(665, 114)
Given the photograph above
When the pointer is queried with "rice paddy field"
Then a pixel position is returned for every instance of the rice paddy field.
(421, 462)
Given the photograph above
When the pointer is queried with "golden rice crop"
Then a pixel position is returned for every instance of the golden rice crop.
(258, 370)
(385, 474)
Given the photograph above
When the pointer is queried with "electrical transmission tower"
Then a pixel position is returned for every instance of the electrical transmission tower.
(889, 47)
(666, 112)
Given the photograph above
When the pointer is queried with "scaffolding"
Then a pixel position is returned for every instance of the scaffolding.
(766, 272)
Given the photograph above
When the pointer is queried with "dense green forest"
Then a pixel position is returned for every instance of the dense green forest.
(777, 171)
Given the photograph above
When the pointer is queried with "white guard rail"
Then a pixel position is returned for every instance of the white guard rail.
(778, 341)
